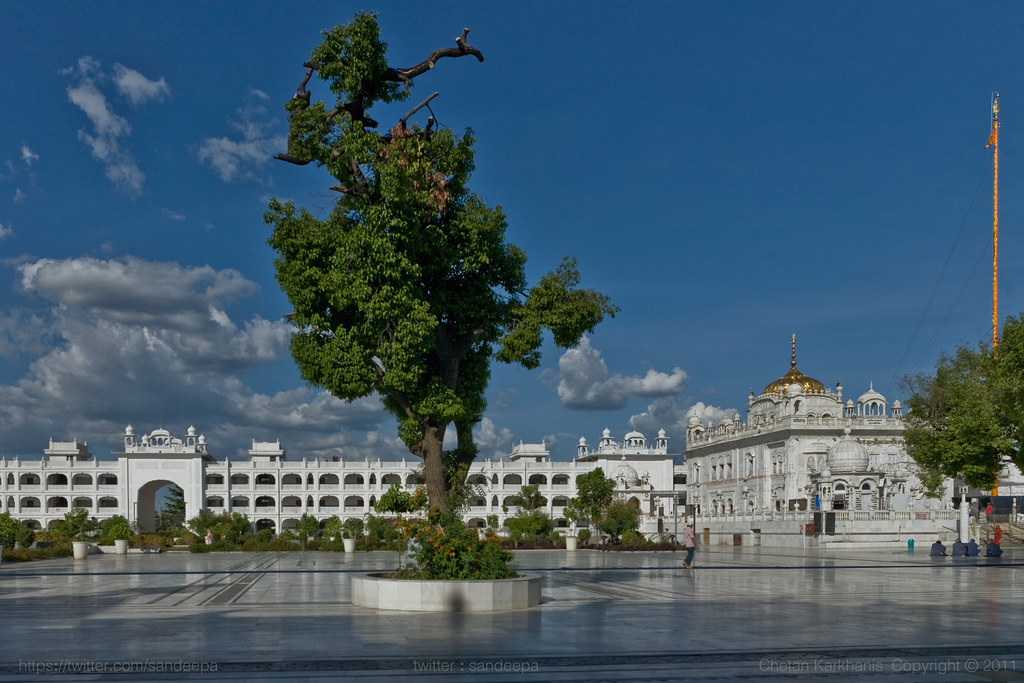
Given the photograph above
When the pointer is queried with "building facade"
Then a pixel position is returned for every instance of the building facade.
(808, 468)
(274, 490)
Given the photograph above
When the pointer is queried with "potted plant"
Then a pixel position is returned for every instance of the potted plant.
(78, 527)
(121, 531)
(573, 513)
(352, 529)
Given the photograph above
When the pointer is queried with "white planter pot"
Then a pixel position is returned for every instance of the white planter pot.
(121, 546)
(350, 545)
(80, 549)
(570, 543)
(378, 592)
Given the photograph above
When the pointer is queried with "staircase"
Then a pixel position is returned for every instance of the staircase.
(1013, 533)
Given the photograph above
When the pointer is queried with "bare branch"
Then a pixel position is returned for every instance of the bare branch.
(463, 49)
(292, 159)
(424, 103)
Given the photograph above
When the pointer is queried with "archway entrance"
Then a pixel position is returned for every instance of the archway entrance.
(147, 504)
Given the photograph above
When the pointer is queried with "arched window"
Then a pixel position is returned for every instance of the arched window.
(56, 502)
(29, 479)
(414, 479)
(330, 479)
(239, 501)
(107, 479)
(215, 479)
(30, 502)
(328, 502)
(354, 502)
(108, 502)
(291, 479)
(538, 480)
(373, 479)
(265, 479)
(239, 479)
(265, 501)
(353, 479)
(477, 480)
(513, 480)
(389, 479)
(57, 479)
(82, 502)
(214, 502)
(560, 480)
(291, 502)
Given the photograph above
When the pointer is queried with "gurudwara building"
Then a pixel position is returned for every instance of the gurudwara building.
(810, 468)
(274, 490)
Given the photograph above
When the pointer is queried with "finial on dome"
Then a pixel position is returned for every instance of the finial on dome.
(792, 362)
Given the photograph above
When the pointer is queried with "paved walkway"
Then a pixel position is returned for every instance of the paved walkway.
(744, 612)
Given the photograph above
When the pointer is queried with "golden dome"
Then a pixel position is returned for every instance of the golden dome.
(794, 376)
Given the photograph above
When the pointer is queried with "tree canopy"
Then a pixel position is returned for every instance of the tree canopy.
(408, 288)
(965, 419)
(594, 493)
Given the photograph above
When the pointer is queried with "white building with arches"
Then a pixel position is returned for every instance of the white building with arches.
(275, 490)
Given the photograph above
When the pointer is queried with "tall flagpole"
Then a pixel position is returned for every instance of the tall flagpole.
(993, 142)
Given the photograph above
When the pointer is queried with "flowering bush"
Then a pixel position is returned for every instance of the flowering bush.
(443, 547)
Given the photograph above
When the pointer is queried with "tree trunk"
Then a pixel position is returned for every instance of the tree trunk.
(434, 476)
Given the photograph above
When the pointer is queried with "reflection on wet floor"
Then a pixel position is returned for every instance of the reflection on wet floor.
(619, 615)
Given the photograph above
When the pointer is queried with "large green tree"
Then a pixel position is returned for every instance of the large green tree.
(408, 287)
(967, 417)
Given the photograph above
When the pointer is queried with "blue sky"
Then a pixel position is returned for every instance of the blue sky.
(729, 173)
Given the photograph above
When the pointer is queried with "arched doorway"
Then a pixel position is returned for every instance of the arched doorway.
(148, 500)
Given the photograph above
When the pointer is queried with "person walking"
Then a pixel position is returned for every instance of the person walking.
(690, 543)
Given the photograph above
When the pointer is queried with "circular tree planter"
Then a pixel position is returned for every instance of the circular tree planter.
(409, 595)
(80, 549)
(120, 546)
(350, 545)
(570, 543)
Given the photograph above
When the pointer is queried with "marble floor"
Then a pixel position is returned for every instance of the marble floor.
(742, 613)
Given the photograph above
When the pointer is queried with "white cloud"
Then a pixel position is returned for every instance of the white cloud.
(238, 159)
(584, 383)
(5, 230)
(136, 87)
(714, 414)
(663, 413)
(28, 156)
(173, 215)
(151, 343)
(490, 439)
(19, 196)
(109, 129)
